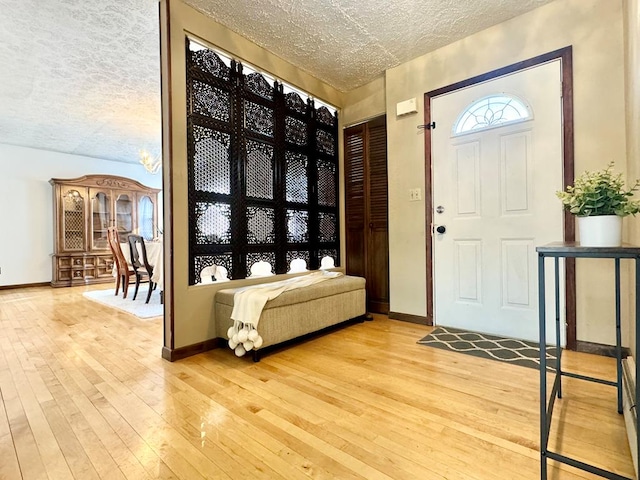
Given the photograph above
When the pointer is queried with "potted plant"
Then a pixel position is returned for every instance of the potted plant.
(600, 199)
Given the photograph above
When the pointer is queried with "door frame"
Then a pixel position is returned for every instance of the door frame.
(565, 56)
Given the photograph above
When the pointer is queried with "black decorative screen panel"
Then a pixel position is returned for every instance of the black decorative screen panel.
(254, 257)
(295, 131)
(213, 223)
(211, 159)
(203, 261)
(296, 178)
(297, 226)
(295, 254)
(257, 84)
(208, 61)
(324, 116)
(262, 166)
(326, 142)
(294, 102)
(210, 101)
(260, 225)
(259, 177)
(327, 184)
(328, 225)
(258, 118)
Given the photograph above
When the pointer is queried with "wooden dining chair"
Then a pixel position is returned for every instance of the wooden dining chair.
(141, 265)
(124, 270)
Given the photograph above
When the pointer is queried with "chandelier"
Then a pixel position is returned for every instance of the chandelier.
(150, 163)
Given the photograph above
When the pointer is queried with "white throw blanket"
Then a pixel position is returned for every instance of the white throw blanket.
(248, 303)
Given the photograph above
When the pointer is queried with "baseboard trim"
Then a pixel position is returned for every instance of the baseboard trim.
(407, 317)
(600, 349)
(25, 285)
(190, 350)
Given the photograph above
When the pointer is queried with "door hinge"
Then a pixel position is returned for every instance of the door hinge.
(428, 126)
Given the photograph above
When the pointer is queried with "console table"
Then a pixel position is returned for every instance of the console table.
(572, 250)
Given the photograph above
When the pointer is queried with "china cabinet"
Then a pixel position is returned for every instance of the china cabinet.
(84, 208)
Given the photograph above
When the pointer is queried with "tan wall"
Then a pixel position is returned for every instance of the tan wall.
(632, 54)
(364, 103)
(594, 28)
(192, 307)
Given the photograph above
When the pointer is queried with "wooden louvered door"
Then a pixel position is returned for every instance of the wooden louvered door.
(367, 235)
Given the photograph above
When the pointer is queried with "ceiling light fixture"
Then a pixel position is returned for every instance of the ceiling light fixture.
(151, 164)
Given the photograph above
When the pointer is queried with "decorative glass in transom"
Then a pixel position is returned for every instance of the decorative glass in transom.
(491, 111)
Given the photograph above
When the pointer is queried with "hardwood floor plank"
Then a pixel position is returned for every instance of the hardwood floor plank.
(9, 466)
(85, 394)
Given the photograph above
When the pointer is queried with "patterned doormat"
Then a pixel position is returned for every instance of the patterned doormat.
(511, 350)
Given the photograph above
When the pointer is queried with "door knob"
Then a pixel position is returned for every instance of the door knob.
(441, 229)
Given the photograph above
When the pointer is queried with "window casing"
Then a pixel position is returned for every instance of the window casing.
(262, 168)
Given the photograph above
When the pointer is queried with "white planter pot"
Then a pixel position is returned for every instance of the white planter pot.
(600, 231)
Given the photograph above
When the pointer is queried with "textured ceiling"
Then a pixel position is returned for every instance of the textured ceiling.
(82, 77)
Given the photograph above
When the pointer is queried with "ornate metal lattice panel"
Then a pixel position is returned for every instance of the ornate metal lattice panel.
(297, 226)
(258, 118)
(211, 164)
(294, 102)
(210, 101)
(259, 171)
(327, 227)
(213, 223)
(295, 131)
(296, 178)
(253, 257)
(327, 194)
(260, 225)
(73, 222)
(202, 261)
(292, 255)
(329, 253)
(325, 142)
(324, 116)
(256, 83)
(208, 61)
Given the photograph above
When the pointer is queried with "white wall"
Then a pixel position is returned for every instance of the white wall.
(26, 205)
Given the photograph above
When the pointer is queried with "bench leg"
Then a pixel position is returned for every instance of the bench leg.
(256, 355)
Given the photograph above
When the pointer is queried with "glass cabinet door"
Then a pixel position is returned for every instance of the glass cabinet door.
(124, 215)
(100, 219)
(146, 222)
(72, 221)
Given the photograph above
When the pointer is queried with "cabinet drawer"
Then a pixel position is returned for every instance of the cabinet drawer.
(104, 272)
(105, 261)
(64, 262)
(64, 275)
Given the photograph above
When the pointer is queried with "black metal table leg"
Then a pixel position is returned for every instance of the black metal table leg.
(544, 434)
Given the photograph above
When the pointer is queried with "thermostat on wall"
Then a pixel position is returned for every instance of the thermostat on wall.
(408, 106)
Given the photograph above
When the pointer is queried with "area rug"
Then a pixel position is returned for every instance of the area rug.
(135, 307)
(511, 350)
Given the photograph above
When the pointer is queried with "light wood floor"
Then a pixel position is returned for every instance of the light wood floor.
(86, 395)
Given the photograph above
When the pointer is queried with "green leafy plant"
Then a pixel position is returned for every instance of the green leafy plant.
(600, 193)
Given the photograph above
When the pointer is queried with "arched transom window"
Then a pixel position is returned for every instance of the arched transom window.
(491, 111)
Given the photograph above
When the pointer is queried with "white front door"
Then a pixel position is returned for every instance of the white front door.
(494, 197)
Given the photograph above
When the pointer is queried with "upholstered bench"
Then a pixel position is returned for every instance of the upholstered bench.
(299, 312)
